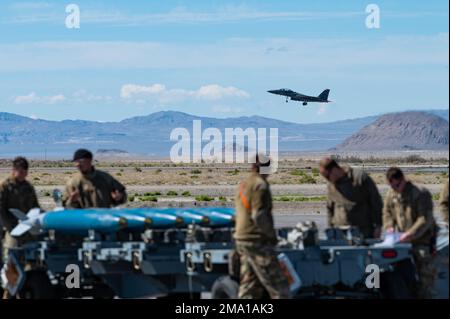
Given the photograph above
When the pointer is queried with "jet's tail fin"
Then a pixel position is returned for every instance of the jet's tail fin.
(22, 216)
(324, 95)
(18, 214)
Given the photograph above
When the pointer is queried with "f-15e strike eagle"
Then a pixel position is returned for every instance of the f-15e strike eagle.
(295, 96)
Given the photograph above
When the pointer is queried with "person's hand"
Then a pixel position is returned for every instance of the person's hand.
(405, 237)
(390, 230)
(74, 196)
(117, 196)
(377, 232)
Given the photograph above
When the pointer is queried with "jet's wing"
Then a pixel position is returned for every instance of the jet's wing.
(284, 92)
(291, 93)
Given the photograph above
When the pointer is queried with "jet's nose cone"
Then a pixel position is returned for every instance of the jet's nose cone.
(272, 91)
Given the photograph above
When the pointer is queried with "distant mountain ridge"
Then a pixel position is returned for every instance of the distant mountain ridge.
(150, 135)
(401, 131)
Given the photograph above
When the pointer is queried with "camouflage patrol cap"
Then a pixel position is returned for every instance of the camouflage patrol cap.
(82, 154)
(262, 160)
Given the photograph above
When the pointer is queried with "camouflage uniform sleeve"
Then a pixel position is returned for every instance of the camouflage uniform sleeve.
(117, 186)
(425, 215)
(260, 213)
(375, 202)
(443, 202)
(330, 208)
(388, 214)
(70, 187)
(35, 201)
(330, 212)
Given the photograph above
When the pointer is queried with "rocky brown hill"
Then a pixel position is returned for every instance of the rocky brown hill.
(400, 131)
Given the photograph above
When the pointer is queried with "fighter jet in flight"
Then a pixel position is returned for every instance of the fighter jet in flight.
(295, 96)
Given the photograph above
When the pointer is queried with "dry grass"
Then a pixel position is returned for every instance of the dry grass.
(166, 173)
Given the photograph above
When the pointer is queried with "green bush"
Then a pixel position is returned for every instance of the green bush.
(315, 172)
(307, 179)
(196, 171)
(153, 193)
(148, 198)
(300, 198)
(186, 193)
(297, 172)
(310, 199)
(172, 193)
(204, 198)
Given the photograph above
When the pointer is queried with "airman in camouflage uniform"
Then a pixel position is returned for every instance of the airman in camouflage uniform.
(353, 198)
(409, 209)
(256, 239)
(15, 192)
(443, 202)
(91, 187)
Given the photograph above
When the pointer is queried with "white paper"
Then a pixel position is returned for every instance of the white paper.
(390, 239)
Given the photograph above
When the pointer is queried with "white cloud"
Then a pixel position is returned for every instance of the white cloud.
(26, 99)
(128, 90)
(78, 96)
(217, 92)
(33, 98)
(211, 92)
(55, 99)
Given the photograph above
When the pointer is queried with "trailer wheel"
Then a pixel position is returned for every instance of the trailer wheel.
(37, 286)
(225, 288)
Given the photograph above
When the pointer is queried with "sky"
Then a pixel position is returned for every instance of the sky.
(219, 58)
